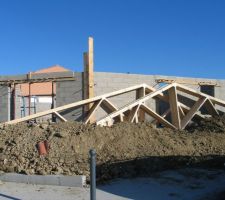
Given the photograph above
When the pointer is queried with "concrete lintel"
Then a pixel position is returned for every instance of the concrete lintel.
(22, 77)
(68, 74)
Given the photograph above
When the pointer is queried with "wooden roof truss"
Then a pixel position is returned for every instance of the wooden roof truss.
(180, 113)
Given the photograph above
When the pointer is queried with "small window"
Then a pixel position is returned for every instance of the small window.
(208, 89)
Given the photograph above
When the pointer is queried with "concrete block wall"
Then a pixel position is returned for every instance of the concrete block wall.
(220, 92)
(8, 103)
(18, 102)
(70, 92)
(4, 103)
(35, 107)
(108, 82)
(104, 82)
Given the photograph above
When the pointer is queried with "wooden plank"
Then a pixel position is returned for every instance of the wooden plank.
(175, 115)
(90, 69)
(200, 94)
(161, 96)
(186, 109)
(166, 113)
(134, 103)
(136, 119)
(121, 117)
(85, 88)
(73, 105)
(140, 93)
(92, 111)
(29, 100)
(163, 115)
(187, 81)
(60, 117)
(108, 106)
(88, 59)
(133, 114)
(157, 116)
(192, 112)
(182, 114)
(149, 89)
(211, 108)
(188, 91)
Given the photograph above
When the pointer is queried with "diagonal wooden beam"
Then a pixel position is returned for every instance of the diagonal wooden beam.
(175, 115)
(108, 106)
(157, 116)
(211, 108)
(92, 110)
(167, 112)
(182, 114)
(140, 93)
(186, 109)
(200, 94)
(192, 112)
(133, 104)
(133, 114)
(60, 117)
(76, 104)
(165, 98)
(121, 117)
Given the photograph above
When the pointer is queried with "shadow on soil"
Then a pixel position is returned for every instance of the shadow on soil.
(8, 197)
(148, 166)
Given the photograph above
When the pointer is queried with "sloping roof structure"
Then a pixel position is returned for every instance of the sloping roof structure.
(181, 114)
(55, 68)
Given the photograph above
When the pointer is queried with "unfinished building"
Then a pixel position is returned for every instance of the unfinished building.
(104, 98)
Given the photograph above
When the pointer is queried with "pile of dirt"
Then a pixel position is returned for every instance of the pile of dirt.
(215, 124)
(123, 150)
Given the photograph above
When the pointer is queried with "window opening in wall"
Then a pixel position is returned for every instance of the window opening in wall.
(208, 89)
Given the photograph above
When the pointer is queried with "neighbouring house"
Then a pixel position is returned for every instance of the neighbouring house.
(37, 97)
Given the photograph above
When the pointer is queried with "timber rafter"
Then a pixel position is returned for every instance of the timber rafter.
(181, 114)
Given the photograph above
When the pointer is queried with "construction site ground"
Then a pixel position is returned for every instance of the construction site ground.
(124, 150)
(183, 184)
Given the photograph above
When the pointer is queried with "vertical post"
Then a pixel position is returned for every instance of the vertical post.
(85, 81)
(29, 99)
(14, 101)
(29, 96)
(90, 68)
(89, 74)
(173, 101)
(140, 93)
(53, 101)
(52, 106)
(92, 174)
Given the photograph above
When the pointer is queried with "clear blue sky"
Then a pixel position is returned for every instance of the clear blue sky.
(168, 37)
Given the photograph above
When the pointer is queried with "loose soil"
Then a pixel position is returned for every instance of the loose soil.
(123, 150)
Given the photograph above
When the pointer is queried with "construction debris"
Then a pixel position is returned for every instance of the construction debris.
(123, 150)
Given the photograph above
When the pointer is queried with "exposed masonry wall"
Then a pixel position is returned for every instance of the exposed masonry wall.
(18, 103)
(8, 103)
(108, 82)
(35, 108)
(72, 91)
(4, 103)
(68, 92)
